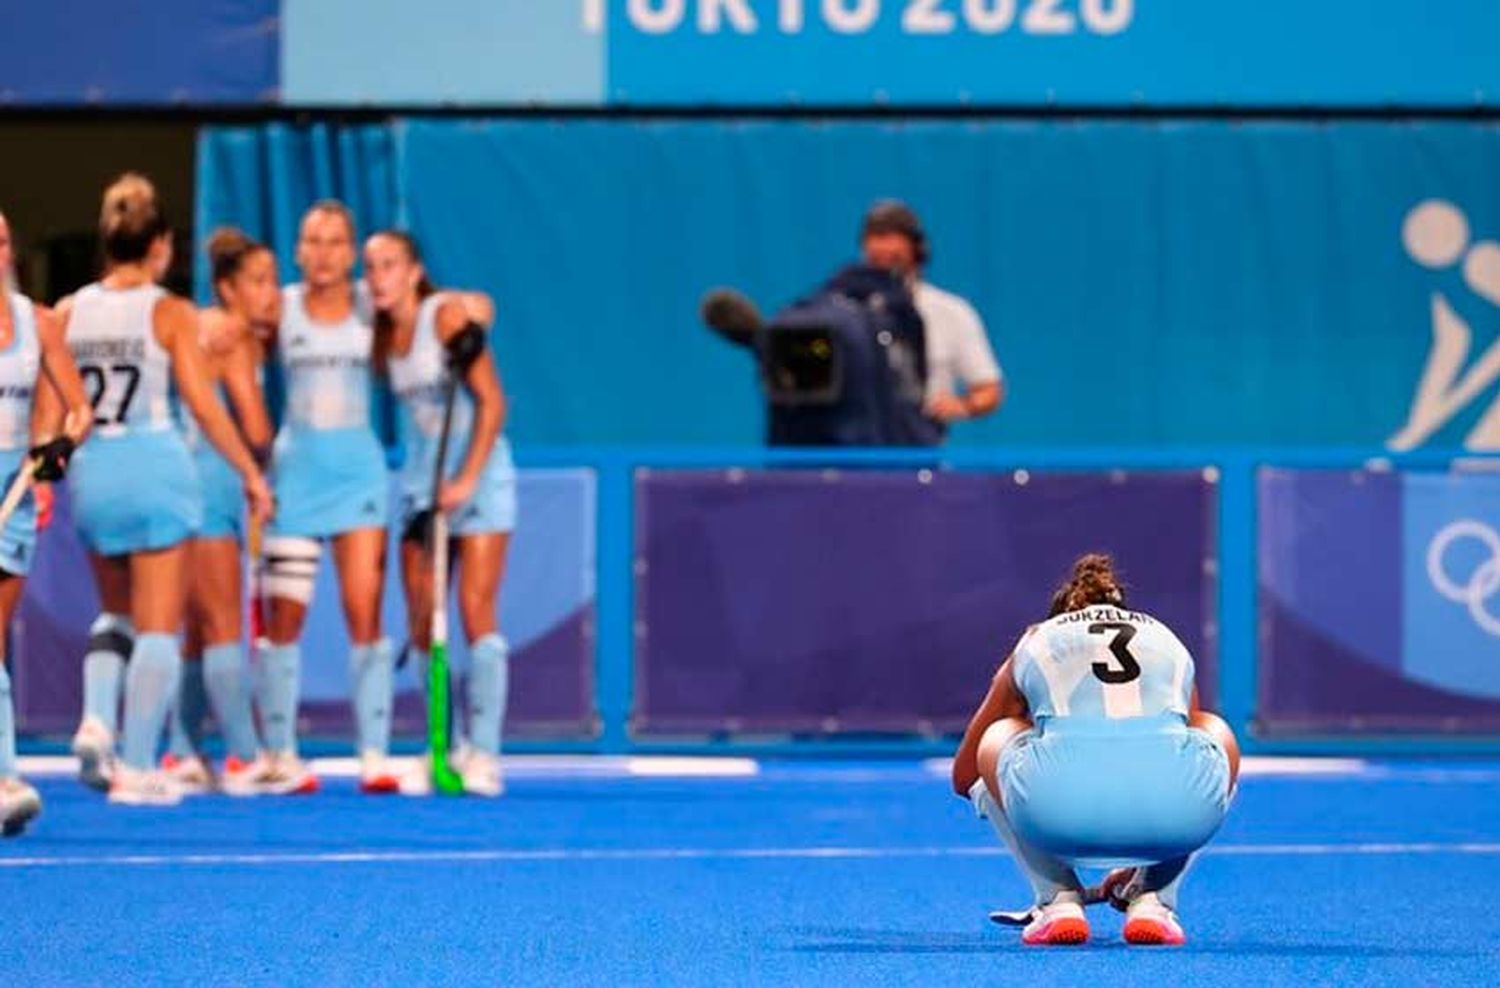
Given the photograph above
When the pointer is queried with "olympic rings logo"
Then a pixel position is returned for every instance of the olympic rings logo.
(1482, 584)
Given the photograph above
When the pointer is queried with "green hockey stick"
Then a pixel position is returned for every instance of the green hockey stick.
(439, 703)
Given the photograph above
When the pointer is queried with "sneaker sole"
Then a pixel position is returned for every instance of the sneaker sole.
(381, 785)
(16, 823)
(134, 799)
(1061, 933)
(1150, 933)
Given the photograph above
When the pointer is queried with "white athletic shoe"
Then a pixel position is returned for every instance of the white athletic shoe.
(481, 774)
(1060, 922)
(129, 787)
(1147, 921)
(288, 776)
(242, 778)
(376, 774)
(19, 805)
(191, 773)
(417, 779)
(94, 744)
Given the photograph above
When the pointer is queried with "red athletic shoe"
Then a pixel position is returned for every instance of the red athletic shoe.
(1057, 924)
(376, 776)
(1148, 922)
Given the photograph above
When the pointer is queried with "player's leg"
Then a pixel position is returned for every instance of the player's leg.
(158, 590)
(19, 802)
(218, 598)
(1149, 894)
(184, 760)
(289, 570)
(481, 559)
(111, 642)
(360, 558)
(1057, 917)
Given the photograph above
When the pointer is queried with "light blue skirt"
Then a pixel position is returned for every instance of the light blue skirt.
(18, 537)
(223, 496)
(135, 492)
(327, 482)
(1122, 793)
(491, 509)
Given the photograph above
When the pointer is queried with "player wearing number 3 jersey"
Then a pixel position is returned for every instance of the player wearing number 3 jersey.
(1090, 750)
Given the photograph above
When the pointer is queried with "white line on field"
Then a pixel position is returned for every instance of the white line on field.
(687, 854)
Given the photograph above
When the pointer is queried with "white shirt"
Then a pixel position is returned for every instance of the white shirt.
(957, 348)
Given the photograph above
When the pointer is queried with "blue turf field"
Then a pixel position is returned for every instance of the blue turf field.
(806, 874)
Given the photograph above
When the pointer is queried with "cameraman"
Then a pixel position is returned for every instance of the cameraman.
(958, 352)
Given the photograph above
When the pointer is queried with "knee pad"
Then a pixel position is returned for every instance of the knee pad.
(289, 567)
(112, 633)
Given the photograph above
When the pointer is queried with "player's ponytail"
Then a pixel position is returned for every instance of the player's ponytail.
(1094, 581)
(130, 219)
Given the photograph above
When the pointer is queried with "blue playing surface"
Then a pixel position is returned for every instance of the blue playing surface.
(807, 874)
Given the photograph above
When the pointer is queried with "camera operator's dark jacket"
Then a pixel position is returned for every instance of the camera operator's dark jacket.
(847, 366)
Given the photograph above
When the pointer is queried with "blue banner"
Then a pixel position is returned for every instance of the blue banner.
(181, 52)
(892, 52)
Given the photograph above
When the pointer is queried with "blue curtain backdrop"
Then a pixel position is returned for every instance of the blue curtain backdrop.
(1142, 282)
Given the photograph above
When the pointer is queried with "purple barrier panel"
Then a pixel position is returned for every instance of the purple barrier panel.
(839, 601)
(1374, 593)
(546, 611)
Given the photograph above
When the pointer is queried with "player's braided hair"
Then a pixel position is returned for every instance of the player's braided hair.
(1094, 581)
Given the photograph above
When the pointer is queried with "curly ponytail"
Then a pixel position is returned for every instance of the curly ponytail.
(1094, 581)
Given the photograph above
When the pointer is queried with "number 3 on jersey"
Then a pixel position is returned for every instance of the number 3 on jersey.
(111, 390)
(1119, 648)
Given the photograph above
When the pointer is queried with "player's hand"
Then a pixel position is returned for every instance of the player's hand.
(258, 496)
(946, 408)
(456, 492)
(52, 458)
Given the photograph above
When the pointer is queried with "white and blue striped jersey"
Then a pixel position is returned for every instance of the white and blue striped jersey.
(19, 364)
(1103, 663)
(327, 365)
(126, 372)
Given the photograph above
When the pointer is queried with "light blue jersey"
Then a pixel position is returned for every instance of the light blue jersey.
(327, 469)
(19, 364)
(1111, 774)
(119, 505)
(418, 378)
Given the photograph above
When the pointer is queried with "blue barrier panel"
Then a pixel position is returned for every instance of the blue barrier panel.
(1376, 593)
(845, 601)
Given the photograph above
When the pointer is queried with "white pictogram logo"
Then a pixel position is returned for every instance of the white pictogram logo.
(1436, 236)
(1482, 584)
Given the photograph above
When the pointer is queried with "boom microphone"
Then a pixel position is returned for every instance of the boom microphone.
(733, 316)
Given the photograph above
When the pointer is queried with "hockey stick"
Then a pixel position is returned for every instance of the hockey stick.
(439, 704)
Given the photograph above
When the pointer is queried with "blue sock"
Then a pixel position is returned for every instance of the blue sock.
(371, 670)
(7, 727)
(280, 686)
(150, 686)
(188, 712)
(110, 644)
(489, 688)
(225, 683)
